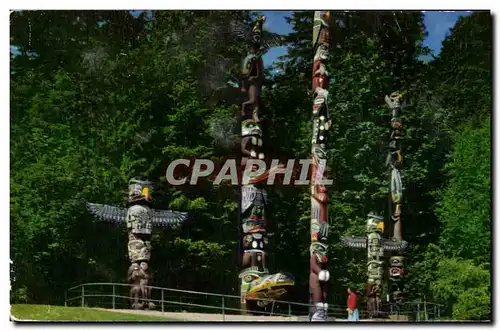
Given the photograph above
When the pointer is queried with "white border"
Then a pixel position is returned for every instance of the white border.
(257, 4)
(189, 4)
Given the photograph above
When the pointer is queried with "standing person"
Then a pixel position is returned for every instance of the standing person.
(352, 306)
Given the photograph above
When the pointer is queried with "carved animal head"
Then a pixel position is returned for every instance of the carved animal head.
(139, 189)
(251, 275)
(394, 100)
(397, 261)
(250, 128)
(257, 30)
(374, 223)
(319, 250)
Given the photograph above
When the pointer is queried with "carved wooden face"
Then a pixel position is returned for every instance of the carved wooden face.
(250, 128)
(257, 30)
(395, 98)
(374, 223)
(139, 189)
(319, 250)
(397, 261)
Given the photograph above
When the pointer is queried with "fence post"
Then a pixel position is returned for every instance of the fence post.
(418, 312)
(289, 310)
(162, 302)
(223, 311)
(425, 311)
(83, 295)
(113, 296)
(65, 298)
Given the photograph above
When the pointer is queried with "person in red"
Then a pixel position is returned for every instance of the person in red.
(352, 306)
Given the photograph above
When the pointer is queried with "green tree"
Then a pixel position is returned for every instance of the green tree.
(465, 286)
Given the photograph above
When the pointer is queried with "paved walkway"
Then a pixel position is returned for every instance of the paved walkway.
(199, 317)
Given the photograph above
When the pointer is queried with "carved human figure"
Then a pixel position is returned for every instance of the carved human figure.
(373, 299)
(252, 83)
(253, 73)
(135, 275)
(318, 280)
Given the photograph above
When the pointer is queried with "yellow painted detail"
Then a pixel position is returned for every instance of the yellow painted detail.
(266, 286)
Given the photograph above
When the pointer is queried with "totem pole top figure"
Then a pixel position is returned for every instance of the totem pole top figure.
(374, 223)
(139, 190)
(320, 22)
(257, 31)
(321, 35)
(394, 100)
(260, 41)
(140, 193)
(256, 36)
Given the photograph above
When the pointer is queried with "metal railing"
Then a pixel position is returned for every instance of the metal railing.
(115, 296)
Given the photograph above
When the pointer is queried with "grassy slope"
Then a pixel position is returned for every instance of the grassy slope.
(57, 313)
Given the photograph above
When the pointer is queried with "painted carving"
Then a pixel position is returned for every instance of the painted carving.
(140, 220)
(252, 71)
(394, 164)
(256, 281)
(375, 246)
(319, 274)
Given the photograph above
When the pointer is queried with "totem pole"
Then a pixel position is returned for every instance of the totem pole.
(376, 246)
(256, 281)
(140, 219)
(318, 274)
(394, 163)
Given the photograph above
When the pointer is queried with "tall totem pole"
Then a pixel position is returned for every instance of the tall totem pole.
(256, 281)
(318, 274)
(394, 163)
(140, 219)
(373, 242)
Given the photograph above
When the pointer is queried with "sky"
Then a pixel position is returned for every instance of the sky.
(437, 23)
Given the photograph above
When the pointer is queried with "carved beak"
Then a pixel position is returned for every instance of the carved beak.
(145, 193)
(380, 225)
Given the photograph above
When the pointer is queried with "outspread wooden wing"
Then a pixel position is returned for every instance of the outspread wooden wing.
(392, 245)
(270, 39)
(108, 213)
(354, 242)
(168, 217)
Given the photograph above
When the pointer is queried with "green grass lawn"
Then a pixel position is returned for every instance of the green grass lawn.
(58, 313)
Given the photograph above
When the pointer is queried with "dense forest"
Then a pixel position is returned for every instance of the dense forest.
(98, 97)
